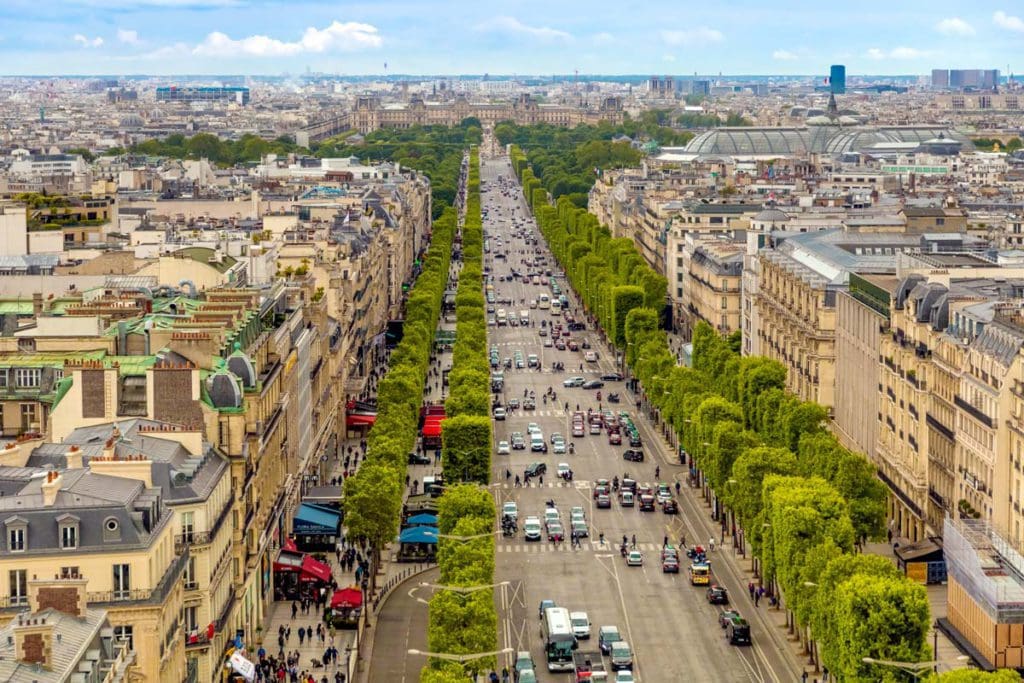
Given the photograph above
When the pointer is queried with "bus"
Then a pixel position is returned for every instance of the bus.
(559, 641)
(556, 307)
(544, 301)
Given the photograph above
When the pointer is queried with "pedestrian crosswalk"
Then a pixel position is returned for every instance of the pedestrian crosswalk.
(561, 484)
(521, 412)
(537, 547)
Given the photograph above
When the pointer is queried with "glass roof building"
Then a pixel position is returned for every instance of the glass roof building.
(833, 140)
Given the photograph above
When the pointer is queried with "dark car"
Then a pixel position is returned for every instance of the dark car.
(717, 595)
(646, 503)
(419, 459)
(737, 631)
(633, 455)
(535, 469)
(604, 500)
(670, 507)
(612, 377)
(593, 384)
(629, 484)
(634, 440)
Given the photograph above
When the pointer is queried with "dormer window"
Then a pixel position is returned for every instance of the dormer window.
(17, 534)
(68, 525)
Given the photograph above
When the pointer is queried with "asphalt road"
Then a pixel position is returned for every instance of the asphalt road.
(402, 625)
(672, 628)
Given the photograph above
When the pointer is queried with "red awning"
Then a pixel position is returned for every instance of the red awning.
(347, 597)
(432, 428)
(289, 545)
(357, 419)
(314, 569)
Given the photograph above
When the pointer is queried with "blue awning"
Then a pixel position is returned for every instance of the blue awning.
(316, 519)
(422, 519)
(418, 534)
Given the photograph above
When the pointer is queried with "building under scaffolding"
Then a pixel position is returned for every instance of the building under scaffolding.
(985, 590)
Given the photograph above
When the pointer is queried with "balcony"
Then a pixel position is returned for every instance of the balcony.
(972, 411)
(199, 538)
(939, 427)
(143, 596)
(196, 639)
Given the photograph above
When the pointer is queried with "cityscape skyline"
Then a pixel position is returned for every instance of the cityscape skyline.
(162, 37)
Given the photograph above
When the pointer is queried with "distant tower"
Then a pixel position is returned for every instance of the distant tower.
(837, 79)
(42, 114)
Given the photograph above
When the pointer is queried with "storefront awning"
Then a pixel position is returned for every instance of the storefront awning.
(418, 534)
(288, 561)
(432, 428)
(347, 597)
(356, 419)
(314, 569)
(316, 519)
(422, 519)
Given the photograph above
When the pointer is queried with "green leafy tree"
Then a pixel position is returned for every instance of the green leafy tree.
(975, 676)
(373, 501)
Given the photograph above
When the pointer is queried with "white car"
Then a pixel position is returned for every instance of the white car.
(532, 529)
(504, 448)
(492, 322)
(510, 509)
(580, 624)
(563, 469)
(590, 357)
(548, 343)
(624, 676)
(533, 428)
(499, 413)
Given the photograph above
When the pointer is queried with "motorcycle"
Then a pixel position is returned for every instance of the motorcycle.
(613, 398)
(622, 549)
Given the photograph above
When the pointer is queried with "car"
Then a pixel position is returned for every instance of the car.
(634, 558)
(533, 302)
(595, 427)
(503, 448)
(664, 492)
(558, 447)
(548, 344)
(725, 616)
(579, 527)
(670, 564)
(646, 503)
(590, 356)
(555, 532)
(614, 439)
(621, 656)
(419, 459)
(577, 510)
(624, 676)
(602, 488)
(578, 429)
(634, 439)
(524, 660)
(532, 428)
(529, 404)
(510, 509)
(560, 345)
(612, 377)
(491, 322)
(633, 455)
(551, 516)
(737, 631)
(628, 484)
(670, 507)
(717, 595)
(556, 436)
(520, 364)
(535, 469)
(532, 529)
(626, 499)
(604, 501)
(513, 403)
(580, 625)
(562, 469)
(543, 332)
(606, 635)
(518, 442)
(545, 604)
(593, 384)
(573, 382)
(499, 413)
(527, 676)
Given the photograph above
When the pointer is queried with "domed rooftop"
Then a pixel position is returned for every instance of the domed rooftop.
(241, 367)
(818, 139)
(223, 390)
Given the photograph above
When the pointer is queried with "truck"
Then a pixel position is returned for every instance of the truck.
(588, 666)
(502, 316)
(700, 574)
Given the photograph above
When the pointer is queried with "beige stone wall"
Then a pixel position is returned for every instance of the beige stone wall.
(856, 405)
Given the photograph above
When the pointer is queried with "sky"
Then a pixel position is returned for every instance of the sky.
(521, 37)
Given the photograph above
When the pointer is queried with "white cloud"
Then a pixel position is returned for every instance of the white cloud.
(128, 37)
(785, 55)
(514, 26)
(87, 42)
(668, 58)
(879, 54)
(1008, 21)
(344, 37)
(699, 35)
(602, 38)
(954, 26)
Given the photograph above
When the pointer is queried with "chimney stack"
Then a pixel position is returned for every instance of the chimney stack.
(74, 458)
(50, 488)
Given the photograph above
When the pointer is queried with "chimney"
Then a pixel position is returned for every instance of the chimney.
(33, 640)
(50, 488)
(74, 458)
(64, 592)
(37, 304)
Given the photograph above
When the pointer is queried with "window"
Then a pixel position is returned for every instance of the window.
(190, 574)
(69, 573)
(27, 345)
(69, 536)
(28, 417)
(26, 377)
(187, 526)
(18, 579)
(16, 540)
(191, 619)
(124, 633)
(3, 375)
(122, 581)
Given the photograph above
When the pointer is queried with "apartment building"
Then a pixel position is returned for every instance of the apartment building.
(711, 276)
(113, 532)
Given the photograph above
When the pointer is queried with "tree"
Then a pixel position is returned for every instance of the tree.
(624, 299)
(749, 471)
(373, 501)
(975, 676)
(463, 500)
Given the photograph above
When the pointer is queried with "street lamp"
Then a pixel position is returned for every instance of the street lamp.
(464, 590)
(459, 658)
(915, 669)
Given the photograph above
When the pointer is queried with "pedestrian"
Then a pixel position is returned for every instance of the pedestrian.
(664, 542)
(541, 479)
(508, 474)
(302, 635)
(657, 471)
(295, 609)
(288, 633)
(711, 543)
(750, 589)
(682, 541)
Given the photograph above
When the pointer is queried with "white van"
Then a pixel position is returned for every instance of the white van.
(524, 317)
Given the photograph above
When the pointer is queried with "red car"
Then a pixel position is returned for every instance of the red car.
(614, 438)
